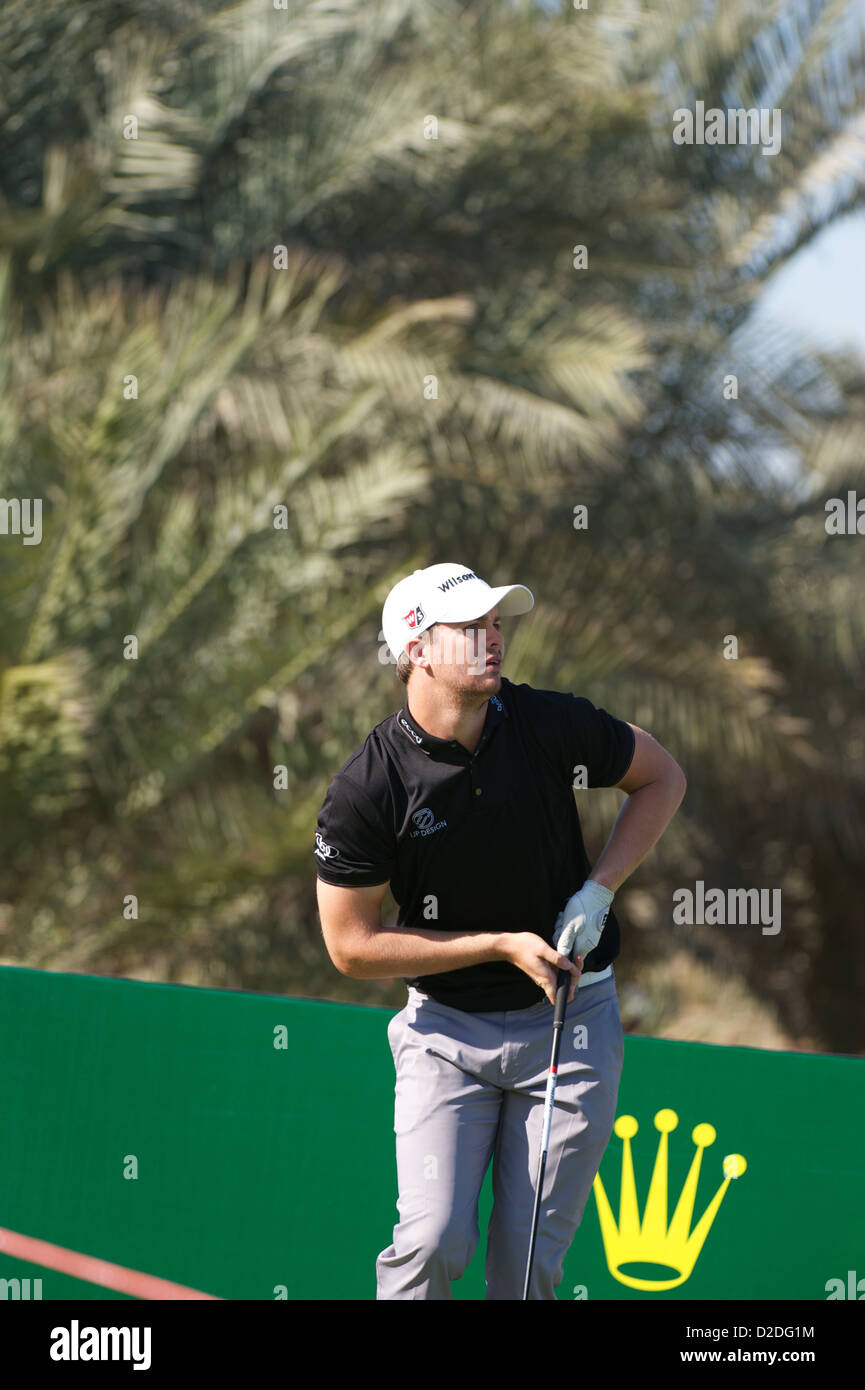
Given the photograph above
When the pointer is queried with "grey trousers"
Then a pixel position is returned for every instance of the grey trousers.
(470, 1087)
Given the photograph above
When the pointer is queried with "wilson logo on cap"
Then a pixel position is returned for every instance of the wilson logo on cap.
(456, 579)
(414, 616)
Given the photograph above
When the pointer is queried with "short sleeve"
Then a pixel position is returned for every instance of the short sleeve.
(353, 844)
(597, 741)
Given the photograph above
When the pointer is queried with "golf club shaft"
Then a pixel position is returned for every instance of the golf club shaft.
(563, 983)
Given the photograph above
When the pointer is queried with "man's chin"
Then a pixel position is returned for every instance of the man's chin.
(488, 681)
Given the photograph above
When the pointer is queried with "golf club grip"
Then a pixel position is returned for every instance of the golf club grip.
(563, 984)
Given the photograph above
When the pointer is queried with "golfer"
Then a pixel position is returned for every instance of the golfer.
(464, 803)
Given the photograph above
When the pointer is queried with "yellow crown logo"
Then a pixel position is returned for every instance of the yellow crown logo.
(674, 1248)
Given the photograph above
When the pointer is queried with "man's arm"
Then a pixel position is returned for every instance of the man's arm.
(361, 947)
(655, 785)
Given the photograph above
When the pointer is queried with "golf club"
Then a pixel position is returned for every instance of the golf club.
(565, 947)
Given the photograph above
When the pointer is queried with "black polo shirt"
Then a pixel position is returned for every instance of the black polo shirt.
(489, 841)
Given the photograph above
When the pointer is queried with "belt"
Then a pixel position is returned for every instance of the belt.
(591, 977)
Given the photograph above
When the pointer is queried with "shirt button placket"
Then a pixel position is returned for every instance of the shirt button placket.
(473, 765)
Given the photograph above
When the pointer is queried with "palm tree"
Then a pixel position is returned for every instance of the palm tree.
(428, 170)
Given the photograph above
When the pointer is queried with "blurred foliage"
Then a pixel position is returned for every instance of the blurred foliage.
(237, 457)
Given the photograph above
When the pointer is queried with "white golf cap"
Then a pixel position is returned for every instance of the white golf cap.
(444, 594)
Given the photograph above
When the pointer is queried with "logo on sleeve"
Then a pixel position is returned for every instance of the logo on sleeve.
(323, 849)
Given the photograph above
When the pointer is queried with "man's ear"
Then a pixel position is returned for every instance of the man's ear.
(416, 650)
(419, 650)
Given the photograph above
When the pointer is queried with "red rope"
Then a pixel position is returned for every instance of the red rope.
(93, 1271)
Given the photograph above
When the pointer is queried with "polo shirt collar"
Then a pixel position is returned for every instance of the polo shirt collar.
(429, 743)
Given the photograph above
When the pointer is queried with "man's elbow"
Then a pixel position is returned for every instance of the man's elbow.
(679, 783)
(349, 966)
(340, 959)
(346, 957)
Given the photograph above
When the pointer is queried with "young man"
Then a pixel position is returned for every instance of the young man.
(463, 803)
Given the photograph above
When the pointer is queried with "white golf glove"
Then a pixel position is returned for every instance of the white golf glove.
(579, 925)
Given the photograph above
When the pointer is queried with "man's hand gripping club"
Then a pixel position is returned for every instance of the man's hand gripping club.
(578, 926)
(577, 931)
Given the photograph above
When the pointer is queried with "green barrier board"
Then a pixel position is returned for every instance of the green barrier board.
(242, 1145)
